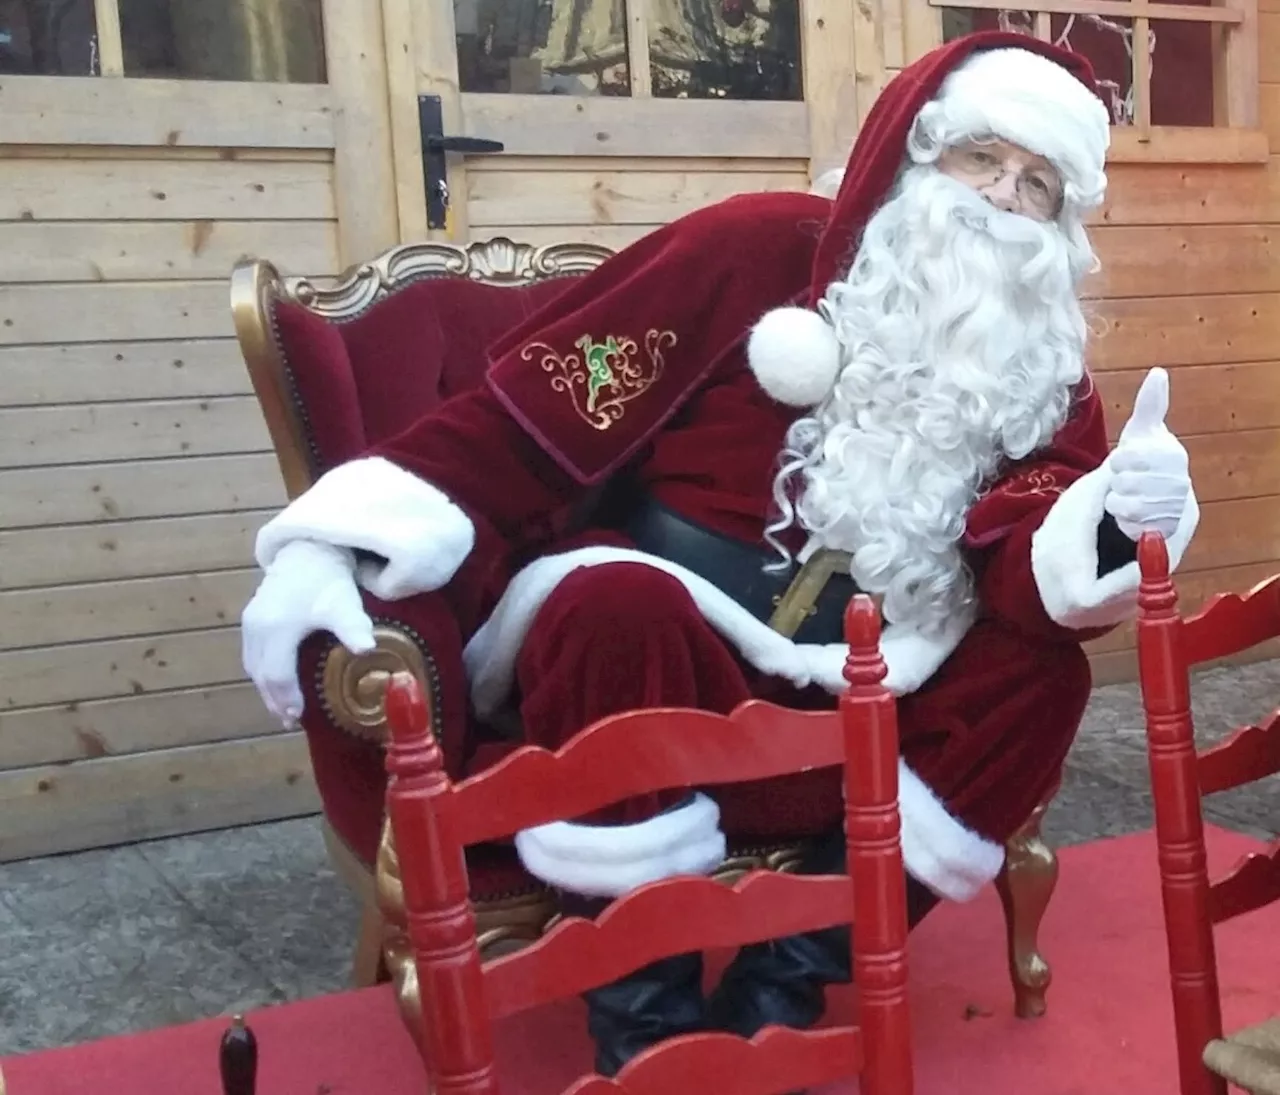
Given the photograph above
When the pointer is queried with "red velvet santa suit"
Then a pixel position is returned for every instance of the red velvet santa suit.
(640, 370)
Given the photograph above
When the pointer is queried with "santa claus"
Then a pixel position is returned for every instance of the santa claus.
(683, 466)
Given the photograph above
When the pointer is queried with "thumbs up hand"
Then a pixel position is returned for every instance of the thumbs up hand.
(1151, 482)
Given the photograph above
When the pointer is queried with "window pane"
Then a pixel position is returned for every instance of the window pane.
(277, 41)
(48, 38)
(542, 47)
(1181, 59)
(725, 49)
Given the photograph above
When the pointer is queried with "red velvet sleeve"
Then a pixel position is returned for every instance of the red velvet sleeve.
(1002, 522)
(578, 389)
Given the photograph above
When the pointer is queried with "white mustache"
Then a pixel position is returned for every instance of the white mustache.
(1040, 243)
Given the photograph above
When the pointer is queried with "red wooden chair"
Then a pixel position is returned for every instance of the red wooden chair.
(435, 820)
(1168, 646)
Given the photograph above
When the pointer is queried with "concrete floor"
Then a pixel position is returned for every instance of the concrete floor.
(131, 938)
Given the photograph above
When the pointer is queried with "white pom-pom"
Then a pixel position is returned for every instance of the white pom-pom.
(795, 356)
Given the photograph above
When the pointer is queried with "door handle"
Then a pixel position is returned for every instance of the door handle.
(435, 149)
(475, 145)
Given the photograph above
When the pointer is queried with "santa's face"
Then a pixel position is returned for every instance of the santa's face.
(962, 339)
(1009, 177)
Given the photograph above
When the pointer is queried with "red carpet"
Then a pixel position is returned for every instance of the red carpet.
(1109, 1027)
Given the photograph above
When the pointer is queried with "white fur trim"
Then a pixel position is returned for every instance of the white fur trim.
(911, 657)
(1029, 100)
(611, 860)
(795, 355)
(949, 858)
(373, 505)
(938, 850)
(1064, 557)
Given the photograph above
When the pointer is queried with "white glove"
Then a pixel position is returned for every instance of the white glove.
(308, 587)
(1151, 482)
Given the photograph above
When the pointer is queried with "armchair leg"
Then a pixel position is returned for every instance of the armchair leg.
(367, 967)
(1026, 885)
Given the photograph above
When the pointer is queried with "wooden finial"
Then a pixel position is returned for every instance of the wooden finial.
(238, 1059)
(1153, 555)
(412, 749)
(1156, 595)
(864, 665)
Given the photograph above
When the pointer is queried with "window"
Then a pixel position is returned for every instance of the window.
(678, 49)
(262, 40)
(1181, 65)
(47, 38)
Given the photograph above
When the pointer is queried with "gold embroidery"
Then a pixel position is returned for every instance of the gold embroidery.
(606, 376)
(1032, 485)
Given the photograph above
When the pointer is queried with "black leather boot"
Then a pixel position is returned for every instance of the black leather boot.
(655, 1003)
(781, 981)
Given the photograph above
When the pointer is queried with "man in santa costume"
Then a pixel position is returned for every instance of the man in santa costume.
(683, 466)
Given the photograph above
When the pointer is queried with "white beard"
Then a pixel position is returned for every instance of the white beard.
(962, 338)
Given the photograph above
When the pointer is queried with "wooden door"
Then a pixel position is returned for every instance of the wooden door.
(138, 162)
(617, 116)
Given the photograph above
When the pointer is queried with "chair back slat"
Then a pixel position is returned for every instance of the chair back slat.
(674, 916)
(1232, 623)
(637, 753)
(774, 1060)
(1251, 753)
(1252, 883)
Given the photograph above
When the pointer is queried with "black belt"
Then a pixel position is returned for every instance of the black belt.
(805, 602)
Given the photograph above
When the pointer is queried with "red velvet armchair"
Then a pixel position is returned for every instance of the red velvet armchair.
(339, 368)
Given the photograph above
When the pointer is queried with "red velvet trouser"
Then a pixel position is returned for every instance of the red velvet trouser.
(988, 733)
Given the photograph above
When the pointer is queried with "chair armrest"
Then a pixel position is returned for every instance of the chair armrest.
(352, 687)
(419, 635)
(345, 719)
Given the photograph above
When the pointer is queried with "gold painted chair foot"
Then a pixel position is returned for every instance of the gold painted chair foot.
(1026, 885)
(368, 967)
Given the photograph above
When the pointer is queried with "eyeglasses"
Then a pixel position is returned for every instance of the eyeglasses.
(1038, 187)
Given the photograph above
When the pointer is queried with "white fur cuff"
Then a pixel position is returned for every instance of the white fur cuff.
(938, 851)
(1064, 557)
(373, 505)
(611, 860)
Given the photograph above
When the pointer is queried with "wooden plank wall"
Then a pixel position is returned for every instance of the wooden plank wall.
(610, 201)
(134, 471)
